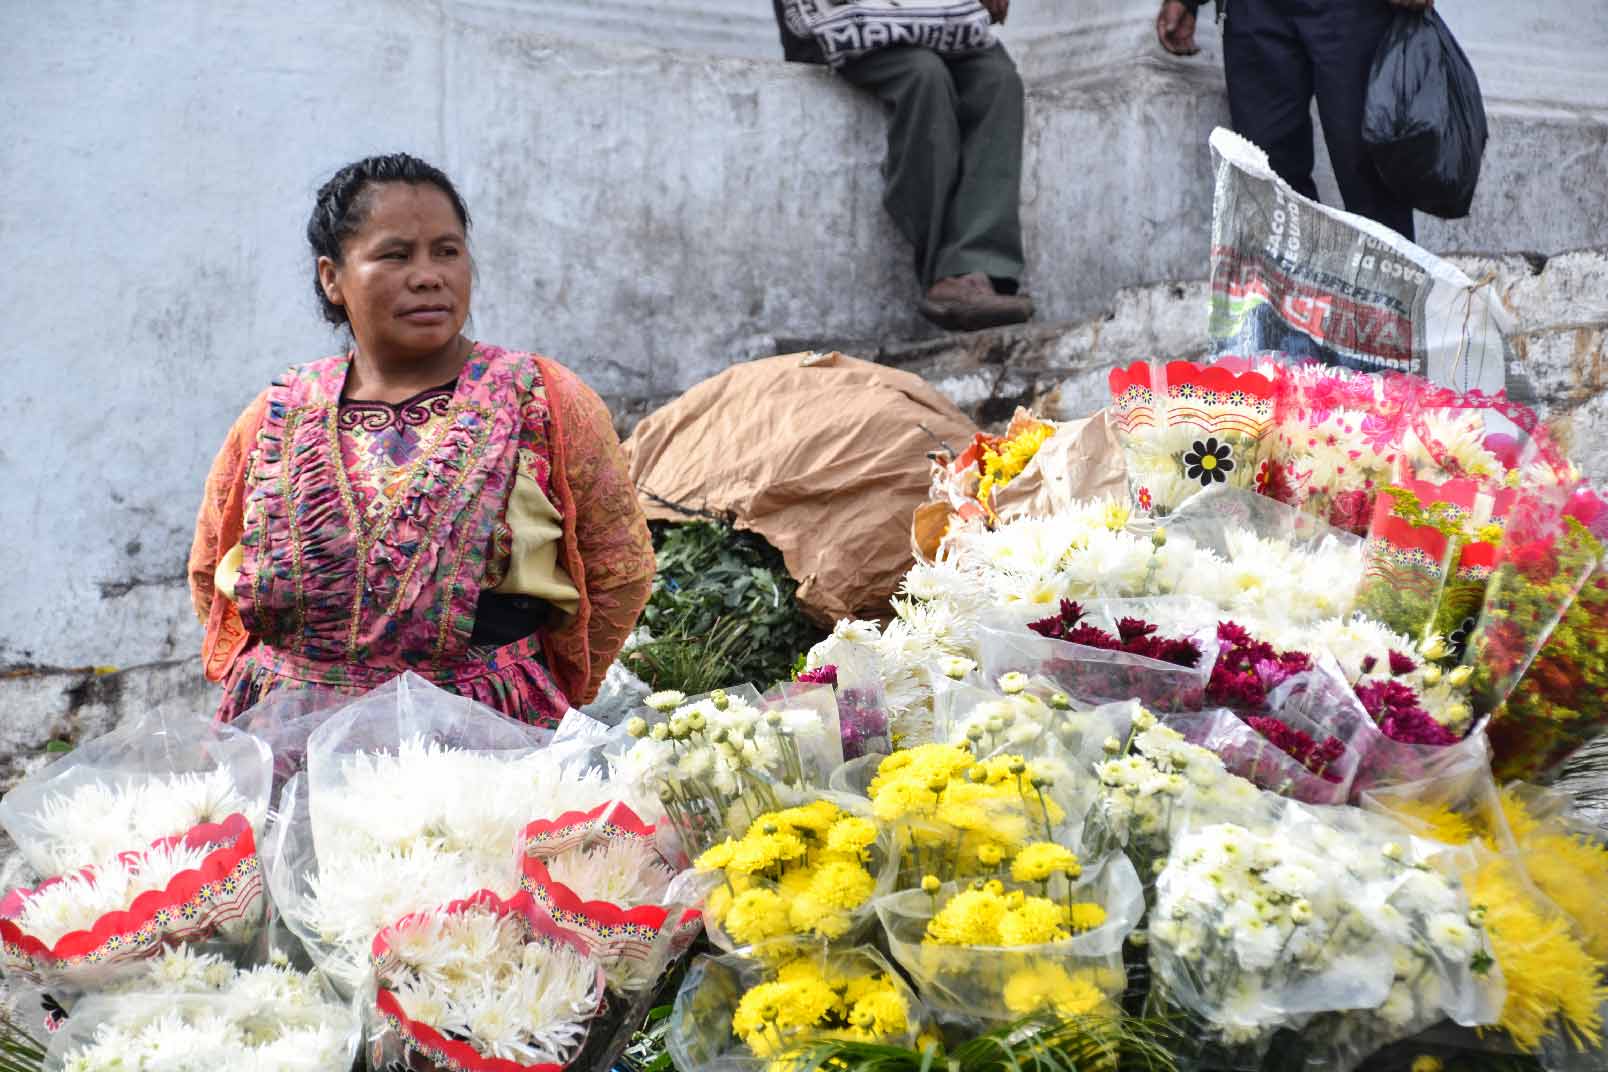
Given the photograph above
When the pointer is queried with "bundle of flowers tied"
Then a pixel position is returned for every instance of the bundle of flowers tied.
(1285, 660)
(1218, 754)
(1481, 537)
(424, 862)
(145, 837)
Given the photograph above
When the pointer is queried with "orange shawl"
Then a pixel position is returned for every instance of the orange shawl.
(606, 546)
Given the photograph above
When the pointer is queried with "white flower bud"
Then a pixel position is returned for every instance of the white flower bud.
(1434, 647)
(1012, 683)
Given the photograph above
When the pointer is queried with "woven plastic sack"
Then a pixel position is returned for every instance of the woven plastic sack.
(701, 1035)
(1305, 281)
(395, 1037)
(1098, 675)
(988, 984)
(633, 938)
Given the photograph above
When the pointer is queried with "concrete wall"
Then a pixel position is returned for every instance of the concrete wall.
(647, 215)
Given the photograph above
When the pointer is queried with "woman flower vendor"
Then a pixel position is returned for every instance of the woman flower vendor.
(422, 502)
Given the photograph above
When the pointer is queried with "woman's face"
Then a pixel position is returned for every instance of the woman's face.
(404, 277)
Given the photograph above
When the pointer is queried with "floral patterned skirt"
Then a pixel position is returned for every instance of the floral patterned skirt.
(511, 679)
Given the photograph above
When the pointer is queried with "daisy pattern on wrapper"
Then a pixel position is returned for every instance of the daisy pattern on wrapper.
(476, 973)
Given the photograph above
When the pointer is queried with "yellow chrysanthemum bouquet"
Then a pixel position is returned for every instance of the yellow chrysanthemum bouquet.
(805, 872)
(996, 918)
(1042, 936)
(1537, 883)
(1029, 718)
(739, 1014)
(958, 815)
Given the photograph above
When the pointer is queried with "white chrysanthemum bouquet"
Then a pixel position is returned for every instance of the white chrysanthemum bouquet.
(608, 876)
(1266, 925)
(148, 836)
(184, 1012)
(390, 820)
(1251, 931)
(1442, 963)
(480, 982)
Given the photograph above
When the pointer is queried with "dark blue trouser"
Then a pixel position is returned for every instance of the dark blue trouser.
(1277, 55)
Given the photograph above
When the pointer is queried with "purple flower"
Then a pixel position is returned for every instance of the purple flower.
(1401, 664)
(825, 675)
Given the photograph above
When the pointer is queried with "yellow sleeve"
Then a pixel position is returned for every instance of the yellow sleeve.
(228, 572)
(533, 566)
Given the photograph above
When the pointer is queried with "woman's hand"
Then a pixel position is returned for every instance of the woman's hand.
(997, 9)
(1175, 28)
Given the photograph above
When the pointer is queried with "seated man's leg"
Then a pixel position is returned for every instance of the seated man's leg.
(983, 227)
(1270, 86)
(923, 142)
(1341, 37)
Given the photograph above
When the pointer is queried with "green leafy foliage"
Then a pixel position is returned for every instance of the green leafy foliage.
(646, 1052)
(19, 1052)
(722, 611)
(1037, 1044)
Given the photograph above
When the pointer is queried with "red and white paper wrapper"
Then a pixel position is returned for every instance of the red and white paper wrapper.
(423, 1042)
(632, 942)
(221, 898)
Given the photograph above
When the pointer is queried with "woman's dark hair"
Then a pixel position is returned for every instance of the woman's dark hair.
(341, 209)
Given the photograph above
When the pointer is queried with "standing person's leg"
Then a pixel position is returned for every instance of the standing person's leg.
(983, 227)
(924, 148)
(1342, 36)
(1270, 87)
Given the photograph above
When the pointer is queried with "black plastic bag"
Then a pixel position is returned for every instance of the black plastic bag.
(1424, 121)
